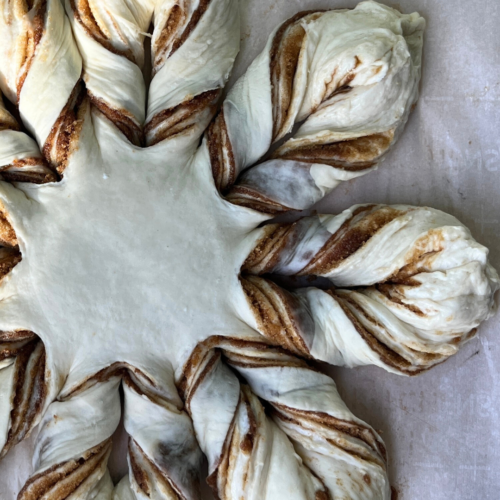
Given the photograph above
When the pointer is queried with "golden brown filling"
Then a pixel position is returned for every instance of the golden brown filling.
(251, 198)
(352, 155)
(61, 480)
(181, 118)
(65, 132)
(221, 153)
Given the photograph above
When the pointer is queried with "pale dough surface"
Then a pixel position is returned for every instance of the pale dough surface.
(164, 246)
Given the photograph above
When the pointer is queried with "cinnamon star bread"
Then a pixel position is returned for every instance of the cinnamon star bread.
(132, 253)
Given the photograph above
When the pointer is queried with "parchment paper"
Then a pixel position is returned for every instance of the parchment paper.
(442, 428)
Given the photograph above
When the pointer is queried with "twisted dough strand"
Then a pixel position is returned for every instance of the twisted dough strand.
(194, 45)
(110, 39)
(251, 456)
(43, 80)
(351, 75)
(164, 457)
(42, 76)
(22, 385)
(420, 286)
(20, 158)
(74, 442)
(73, 445)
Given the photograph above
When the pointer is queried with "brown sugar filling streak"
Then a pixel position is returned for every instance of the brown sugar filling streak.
(284, 55)
(85, 17)
(61, 480)
(176, 30)
(181, 118)
(29, 391)
(221, 152)
(32, 40)
(146, 473)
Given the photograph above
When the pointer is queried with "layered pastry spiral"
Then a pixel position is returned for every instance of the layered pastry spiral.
(133, 259)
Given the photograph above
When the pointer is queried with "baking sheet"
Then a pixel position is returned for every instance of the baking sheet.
(442, 429)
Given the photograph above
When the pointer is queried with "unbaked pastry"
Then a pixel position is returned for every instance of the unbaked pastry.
(128, 268)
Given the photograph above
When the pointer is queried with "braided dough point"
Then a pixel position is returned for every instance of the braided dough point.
(20, 158)
(128, 270)
(348, 77)
(420, 286)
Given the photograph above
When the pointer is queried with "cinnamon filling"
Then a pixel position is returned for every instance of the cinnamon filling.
(9, 258)
(121, 118)
(31, 41)
(351, 236)
(386, 290)
(181, 118)
(148, 474)
(387, 355)
(61, 480)
(352, 429)
(163, 46)
(352, 155)
(138, 472)
(251, 198)
(12, 343)
(85, 17)
(7, 121)
(221, 153)
(279, 314)
(176, 30)
(193, 22)
(8, 236)
(265, 255)
(63, 137)
(30, 389)
(284, 55)
(34, 170)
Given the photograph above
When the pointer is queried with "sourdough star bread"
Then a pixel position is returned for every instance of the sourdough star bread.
(133, 250)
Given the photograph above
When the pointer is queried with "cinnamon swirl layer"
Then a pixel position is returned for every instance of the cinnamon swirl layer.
(23, 386)
(20, 158)
(174, 26)
(75, 477)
